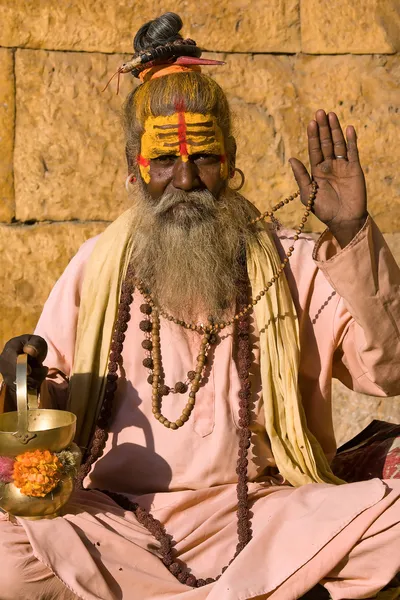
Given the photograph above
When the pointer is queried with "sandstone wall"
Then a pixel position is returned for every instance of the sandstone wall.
(62, 165)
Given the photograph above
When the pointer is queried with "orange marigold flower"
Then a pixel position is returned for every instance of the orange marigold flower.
(37, 473)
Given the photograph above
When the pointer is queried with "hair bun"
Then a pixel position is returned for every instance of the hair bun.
(158, 32)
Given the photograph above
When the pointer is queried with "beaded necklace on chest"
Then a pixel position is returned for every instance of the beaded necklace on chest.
(150, 325)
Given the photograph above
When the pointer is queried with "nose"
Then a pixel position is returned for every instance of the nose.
(185, 175)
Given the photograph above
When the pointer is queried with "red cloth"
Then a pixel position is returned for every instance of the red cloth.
(375, 452)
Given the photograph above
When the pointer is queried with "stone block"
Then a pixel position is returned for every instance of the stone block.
(73, 165)
(33, 257)
(393, 241)
(69, 147)
(358, 27)
(7, 118)
(352, 412)
(109, 25)
(274, 98)
(364, 92)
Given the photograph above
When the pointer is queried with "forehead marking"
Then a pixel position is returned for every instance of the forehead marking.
(182, 128)
(181, 133)
(172, 134)
(175, 125)
(192, 143)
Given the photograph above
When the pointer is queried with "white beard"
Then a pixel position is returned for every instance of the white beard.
(187, 248)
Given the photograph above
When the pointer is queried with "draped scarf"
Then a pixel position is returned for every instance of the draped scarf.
(298, 455)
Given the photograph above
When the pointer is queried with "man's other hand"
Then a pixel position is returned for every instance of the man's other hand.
(36, 349)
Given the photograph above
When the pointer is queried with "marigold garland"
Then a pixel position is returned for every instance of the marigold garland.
(37, 473)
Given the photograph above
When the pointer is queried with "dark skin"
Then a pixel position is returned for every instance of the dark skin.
(36, 349)
(341, 205)
(341, 200)
(170, 173)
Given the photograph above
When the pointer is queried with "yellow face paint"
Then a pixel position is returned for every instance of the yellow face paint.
(182, 134)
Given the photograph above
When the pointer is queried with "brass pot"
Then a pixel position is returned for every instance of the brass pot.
(29, 429)
(45, 429)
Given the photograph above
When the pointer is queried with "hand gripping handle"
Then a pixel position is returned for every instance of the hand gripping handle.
(26, 400)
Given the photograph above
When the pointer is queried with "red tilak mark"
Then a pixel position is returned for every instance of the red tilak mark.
(143, 162)
(222, 158)
(182, 129)
(180, 105)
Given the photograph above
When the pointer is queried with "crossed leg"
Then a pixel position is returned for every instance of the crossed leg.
(356, 576)
(22, 576)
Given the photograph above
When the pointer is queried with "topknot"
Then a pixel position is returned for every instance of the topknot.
(158, 32)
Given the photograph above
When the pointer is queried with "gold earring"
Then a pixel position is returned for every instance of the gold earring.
(242, 181)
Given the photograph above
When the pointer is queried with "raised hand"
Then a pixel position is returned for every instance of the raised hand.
(341, 202)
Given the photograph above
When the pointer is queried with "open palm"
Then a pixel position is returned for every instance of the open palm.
(341, 198)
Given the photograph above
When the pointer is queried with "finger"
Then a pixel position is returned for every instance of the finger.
(325, 134)
(36, 348)
(33, 345)
(352, 148)
(16, 344)
(339, 143)
(300, 173)
(314, 144)
(8, 357)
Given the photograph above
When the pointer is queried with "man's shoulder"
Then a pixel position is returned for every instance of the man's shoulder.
(86, 249)
(83, 253)
(76, 266)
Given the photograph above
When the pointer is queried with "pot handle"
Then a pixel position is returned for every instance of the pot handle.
(26, 400)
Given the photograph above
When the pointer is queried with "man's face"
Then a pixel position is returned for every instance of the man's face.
(184, 151)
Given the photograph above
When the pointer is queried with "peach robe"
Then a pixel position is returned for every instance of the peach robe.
(348, 537)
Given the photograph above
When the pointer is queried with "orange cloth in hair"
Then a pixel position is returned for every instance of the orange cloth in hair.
(161, 70)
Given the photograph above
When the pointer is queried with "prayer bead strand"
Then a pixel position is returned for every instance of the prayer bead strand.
(153, 362)
(100, 434)
(152, 345)
(156, 366)
(244, 355)
(155, 527)
(270, 213)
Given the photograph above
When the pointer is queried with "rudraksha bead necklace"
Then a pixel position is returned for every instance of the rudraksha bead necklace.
(100, 436)
(244, 359)
(151, 326)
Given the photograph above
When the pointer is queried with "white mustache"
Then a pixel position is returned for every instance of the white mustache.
(199, 198)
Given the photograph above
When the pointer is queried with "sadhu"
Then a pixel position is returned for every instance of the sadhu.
(185, 340)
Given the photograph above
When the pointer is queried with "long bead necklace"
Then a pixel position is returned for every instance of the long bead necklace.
(244, 357)
(100, 436)
(151, 327)
(153, 362)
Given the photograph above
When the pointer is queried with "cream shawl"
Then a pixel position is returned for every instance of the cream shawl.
(298, 455)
